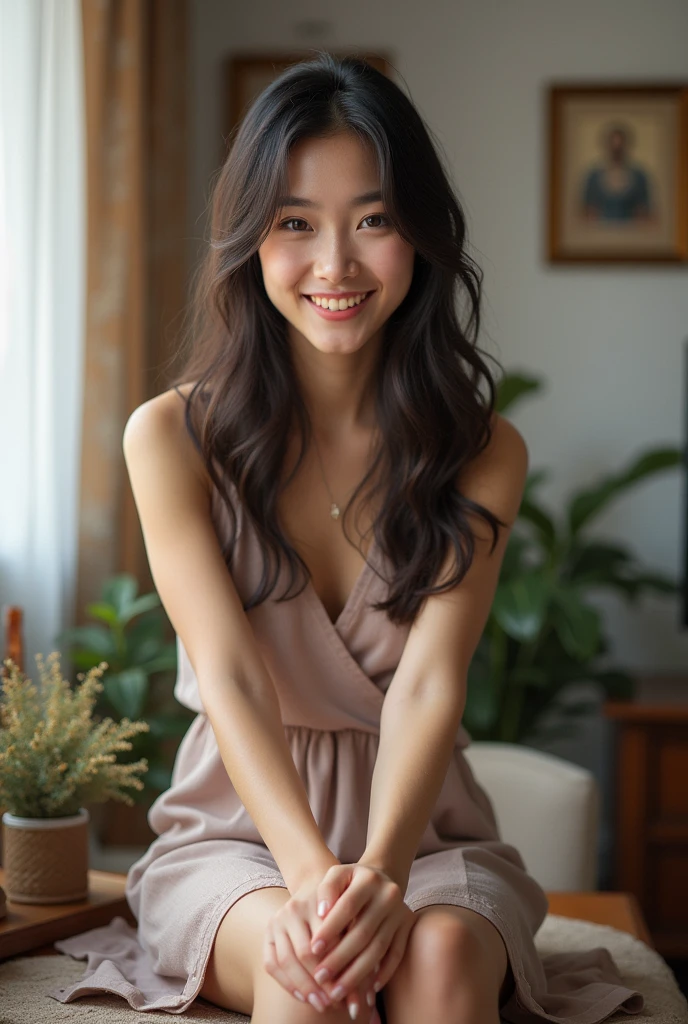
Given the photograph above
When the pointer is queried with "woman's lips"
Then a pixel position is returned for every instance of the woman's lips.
(339, 314)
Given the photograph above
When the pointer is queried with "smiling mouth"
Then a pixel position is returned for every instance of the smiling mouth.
(335, 305)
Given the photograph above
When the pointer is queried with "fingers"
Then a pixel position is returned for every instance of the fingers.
(354, 958)
(358, 999)
(363, 997)
(365, 933)
(335, 882)
(390, 961)
(337, 915)
(338, 905)
(281, 963)
(391, 939)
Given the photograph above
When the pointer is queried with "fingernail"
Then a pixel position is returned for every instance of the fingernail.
(377, 986)
(321, 975)
(337, 992)
(353, 1010)
(315, 1001)
(299, 996)
(323, 907)
(318, 946)
(370, 999)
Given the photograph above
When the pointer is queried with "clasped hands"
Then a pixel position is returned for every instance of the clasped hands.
(353, 924)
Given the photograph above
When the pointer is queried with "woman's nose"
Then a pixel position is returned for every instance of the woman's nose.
(335, 259)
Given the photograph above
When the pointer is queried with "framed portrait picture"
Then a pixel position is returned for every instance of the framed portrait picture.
(618, 173)
(248, 75)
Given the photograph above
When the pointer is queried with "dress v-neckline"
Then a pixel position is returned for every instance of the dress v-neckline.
(310, 594)
(353, 600)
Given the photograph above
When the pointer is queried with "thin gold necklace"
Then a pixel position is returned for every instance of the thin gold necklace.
(335, 511)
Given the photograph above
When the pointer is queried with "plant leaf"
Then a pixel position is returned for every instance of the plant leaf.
(529, 675)
(543, 523)
(482, 709)
(96, 639)
(590, 501)
(577, 624)
(513, 561)
(145, 638)
(101, 610)
(84, 660)
(120, 591)
(657, 581)
(158, 777)
(127, 692)
(520, 605)
(597, 561)
(533, 481)
(514, 386)
(166, 661)
(168, 725)
(631, 586)
(142, 604)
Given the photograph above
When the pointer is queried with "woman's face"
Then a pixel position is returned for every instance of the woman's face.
(332, 240)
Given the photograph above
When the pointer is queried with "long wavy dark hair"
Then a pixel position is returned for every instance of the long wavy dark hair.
(432, 415)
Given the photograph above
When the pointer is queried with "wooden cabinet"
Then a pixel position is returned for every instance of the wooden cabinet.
(651, 806)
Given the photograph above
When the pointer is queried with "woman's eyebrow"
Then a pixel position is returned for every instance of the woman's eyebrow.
(367, 197)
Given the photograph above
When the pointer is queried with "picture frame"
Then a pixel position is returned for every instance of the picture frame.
(617, 173)
(246, 75)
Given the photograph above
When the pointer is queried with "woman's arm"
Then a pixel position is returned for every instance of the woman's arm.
(425, 701)
(172, 493)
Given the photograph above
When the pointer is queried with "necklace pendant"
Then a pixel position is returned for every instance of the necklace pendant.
(334, 510)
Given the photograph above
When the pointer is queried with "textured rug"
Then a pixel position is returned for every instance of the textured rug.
(23, 982)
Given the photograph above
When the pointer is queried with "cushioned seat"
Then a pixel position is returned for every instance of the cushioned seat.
(25, 980)
(547, 807)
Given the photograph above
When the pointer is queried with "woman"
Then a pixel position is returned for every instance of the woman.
(330, 419)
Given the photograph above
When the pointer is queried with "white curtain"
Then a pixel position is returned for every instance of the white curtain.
(42, 285)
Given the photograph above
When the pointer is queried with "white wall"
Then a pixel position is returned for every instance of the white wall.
(607, 340)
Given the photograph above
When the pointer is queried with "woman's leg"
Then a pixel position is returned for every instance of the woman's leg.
(235, 978)
(455, 968)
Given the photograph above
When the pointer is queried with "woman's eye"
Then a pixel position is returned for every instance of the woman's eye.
(381, 216)
(292, 220)
(299, 220)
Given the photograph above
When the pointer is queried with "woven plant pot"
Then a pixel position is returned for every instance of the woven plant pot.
(46, 859)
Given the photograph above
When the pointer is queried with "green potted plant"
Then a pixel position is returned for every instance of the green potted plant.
(129, 635)
(544, 633)
(54, 757)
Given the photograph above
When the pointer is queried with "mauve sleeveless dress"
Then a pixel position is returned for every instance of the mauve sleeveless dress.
(331, 681)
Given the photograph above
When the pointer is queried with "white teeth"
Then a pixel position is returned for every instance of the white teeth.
(354, 300)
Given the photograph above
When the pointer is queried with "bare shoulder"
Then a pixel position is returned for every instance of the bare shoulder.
(507, 442)
(496, 477)
(157, 428)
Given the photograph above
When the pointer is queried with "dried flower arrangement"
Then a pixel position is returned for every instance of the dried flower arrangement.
(53, 756)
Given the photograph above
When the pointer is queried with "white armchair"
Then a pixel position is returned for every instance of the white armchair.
(546, 807)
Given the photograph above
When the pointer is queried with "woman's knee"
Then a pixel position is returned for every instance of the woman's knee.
(449, 950)
(236, 954)
(448, 941)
